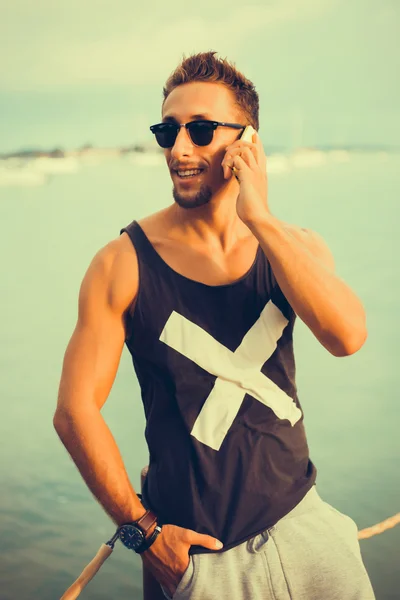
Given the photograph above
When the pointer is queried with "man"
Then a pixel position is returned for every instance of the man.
(205, 294)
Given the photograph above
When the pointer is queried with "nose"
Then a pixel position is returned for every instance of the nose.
(183, 144)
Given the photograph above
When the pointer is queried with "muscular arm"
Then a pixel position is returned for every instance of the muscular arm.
(90, 365)
(304, 269)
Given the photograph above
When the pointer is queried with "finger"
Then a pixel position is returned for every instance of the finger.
(228, 160)
(244, 146)
(202, 539)
(256, 146)
(245, 152)
(247, 156)
(239, 143)
(227, 166)
(260, 157)
(239, 166)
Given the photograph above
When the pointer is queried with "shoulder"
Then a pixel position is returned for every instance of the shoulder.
(314, 242)
(113, 275)
(122, 259)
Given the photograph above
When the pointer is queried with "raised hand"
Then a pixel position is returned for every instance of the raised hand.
(250, 163)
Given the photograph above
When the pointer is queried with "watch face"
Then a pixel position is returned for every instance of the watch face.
(131, 536)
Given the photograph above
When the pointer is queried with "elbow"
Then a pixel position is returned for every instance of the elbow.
(61, 423)
(69, 420)
(58, 422)
(350, 345)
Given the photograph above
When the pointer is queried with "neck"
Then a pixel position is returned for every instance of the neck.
(215, 224)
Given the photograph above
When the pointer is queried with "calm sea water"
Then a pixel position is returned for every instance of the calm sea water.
(50, 524)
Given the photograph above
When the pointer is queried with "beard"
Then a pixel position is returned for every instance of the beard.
(199, 198)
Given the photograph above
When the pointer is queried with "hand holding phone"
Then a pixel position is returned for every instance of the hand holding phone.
(247, 136)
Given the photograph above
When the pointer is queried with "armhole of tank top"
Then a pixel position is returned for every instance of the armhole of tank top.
(272, 280)
(129, 313)
(277, 295)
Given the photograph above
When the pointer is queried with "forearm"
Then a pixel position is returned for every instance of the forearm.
(321, 299)
(93, 449)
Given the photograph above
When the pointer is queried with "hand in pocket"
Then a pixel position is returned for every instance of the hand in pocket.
(168, 557)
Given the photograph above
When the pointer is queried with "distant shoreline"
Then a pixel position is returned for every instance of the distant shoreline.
(92, 151)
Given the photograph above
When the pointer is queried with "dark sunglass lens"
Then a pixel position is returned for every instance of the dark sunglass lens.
(201, 133)
(166, 135)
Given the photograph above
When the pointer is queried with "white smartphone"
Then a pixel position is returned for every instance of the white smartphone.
(247, 135)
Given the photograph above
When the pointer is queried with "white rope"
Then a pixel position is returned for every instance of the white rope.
(379, 527)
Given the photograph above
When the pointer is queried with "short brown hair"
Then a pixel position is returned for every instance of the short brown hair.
(206, 67)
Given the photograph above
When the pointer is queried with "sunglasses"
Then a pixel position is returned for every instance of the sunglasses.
(201, 132)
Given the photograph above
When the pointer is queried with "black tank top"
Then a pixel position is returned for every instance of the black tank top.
(228, 454)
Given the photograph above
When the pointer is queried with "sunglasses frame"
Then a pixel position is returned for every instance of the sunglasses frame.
(215, 124)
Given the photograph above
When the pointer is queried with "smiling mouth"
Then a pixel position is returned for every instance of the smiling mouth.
(191, 174)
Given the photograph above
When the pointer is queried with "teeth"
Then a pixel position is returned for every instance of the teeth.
(188, 173)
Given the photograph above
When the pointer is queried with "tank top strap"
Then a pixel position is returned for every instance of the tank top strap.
(144, 249)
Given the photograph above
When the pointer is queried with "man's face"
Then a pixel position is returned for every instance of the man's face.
(215, 102)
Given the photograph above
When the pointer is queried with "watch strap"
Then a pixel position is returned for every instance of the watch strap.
(147, 543)
(146, 521)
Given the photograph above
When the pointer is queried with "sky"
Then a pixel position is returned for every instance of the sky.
(71, 73)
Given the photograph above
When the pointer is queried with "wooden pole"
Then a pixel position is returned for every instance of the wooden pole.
(151, 588)
(88, 573)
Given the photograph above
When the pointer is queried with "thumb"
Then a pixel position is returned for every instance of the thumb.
(202, 539)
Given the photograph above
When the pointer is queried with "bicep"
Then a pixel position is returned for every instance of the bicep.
(94, 351)
(90, 363)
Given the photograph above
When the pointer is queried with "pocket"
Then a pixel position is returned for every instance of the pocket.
(168, 597)
(186, 579)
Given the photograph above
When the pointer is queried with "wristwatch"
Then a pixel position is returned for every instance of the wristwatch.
(133, 535)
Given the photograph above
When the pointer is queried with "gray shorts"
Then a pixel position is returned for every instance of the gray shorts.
(312, 553)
